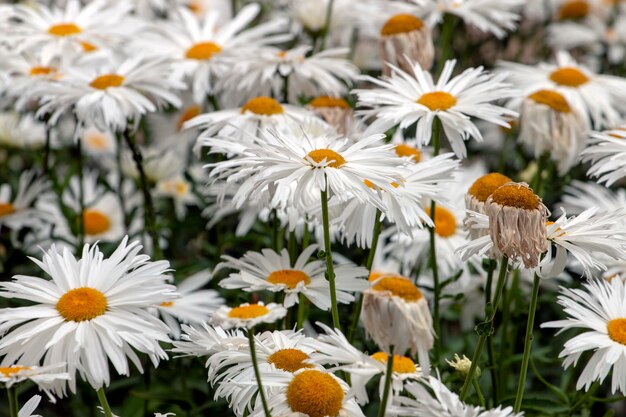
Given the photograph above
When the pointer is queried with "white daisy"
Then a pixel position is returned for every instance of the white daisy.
(599, 309)
(43, 376)
(607, 153)
(208, 340)
(93, 310)
(180, 190)
(17, 210)
(97, 142)
(269, 270)
(247, 315)
(578, 196)
(404, 99)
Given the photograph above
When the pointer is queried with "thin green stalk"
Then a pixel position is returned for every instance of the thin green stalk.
(104, 403)
(388, 375)
(120, 183)
(433, 254)
(292, 247)
(445, 41)
(81, 198)
(301, 311)
(486, 327)
(537, 183)
(330, 269)
(490, 344)
(326, 30)
(507, 336)
(46, 151)
(479, 393)
(257, 374)
(528, 341)
(356, 313)
(148, 205)
(13, 406)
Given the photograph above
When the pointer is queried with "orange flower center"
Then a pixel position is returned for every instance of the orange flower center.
(97, 141)
(107, 80)
(326, 101)
(6, 208)
(403, 150)
(401, 23)
(569, 76)
(88, 46)
(166, 304)
(35, 71)
(315, 394)
(484, 186)
(333, 159)
(574, 9)
(445, 222)
(81, 304)
(250, 311)
(515, 195)
(617, 330)
(265, 106)
(95, 222)
(12, 370)
(437, 101)
(188, 114)
(289, 360)
(289, 277)
(398, 286)
(64, 29)
(401, 364)
(203, 50)
(552, 99)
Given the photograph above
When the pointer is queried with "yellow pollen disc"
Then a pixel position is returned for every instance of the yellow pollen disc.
(617, 330)
(281, 54)
(369, 184)
(400, 287)
(290, 360)
(107, 80)
(569, 76)
(401, 364)
(406, 150)
(166, 304)
(290, 277)
(326, 101)
(333, 159)
(188, 114)
(516, 196)
(248, 312)
(98, 141)
(265, 106)
(88, 46)
(203, 50)
(12, 370)
(401, 23)
(574, 9)
(195, 7)
(315, 394)
(42, 71)
(64, 29)
(437, 100)
(82, 304)
(6, 208)
(484, 186)
(551, 99)
(95, 222)
(374, 275)
(445, 222)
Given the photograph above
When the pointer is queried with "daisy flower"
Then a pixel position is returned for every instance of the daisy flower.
(110, 95)
(599, 96)
(18, 210)
(180, 190)
(598, 309)
(97, 142)
(205, 49)
(302, 73)
(91, 311)
(578, 196)
(247, 315)
(405, 39)
(21, 131)
(43, 376)
(194, 305)
(606, 151)
(208, 340)
(404, 99)
(272, 271)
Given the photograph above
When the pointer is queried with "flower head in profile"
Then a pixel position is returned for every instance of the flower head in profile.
(247, 315)
(44, 376)
(404, 39)
(18, 209)
(405, 98)
(606, 151)
(93, 310)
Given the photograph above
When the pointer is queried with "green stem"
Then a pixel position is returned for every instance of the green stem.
(330, 269)
(257, 374)
(507, 336)
(81, 198)
(292, 247)
(326, 30)
(538, 179)
(46, 151)
(301, 311)
(528, 341)
(481, 397)
(433, 253)
(445, 41)
(490, 344)
(486, 327)
(388, 375)
(149, 215)
(356, 313)
(104, 403)
(13, 406)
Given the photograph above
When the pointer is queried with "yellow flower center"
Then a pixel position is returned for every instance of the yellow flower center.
(289, 277)
(166, 304)
(437, 100)
(203, 50)
(107, 80)
(398, 286)
(617, 330)
(552, 99)
(82, 304)
(401, 364)
(403, 150)
(64, 29)
(250, 311)
(574, 9)
(374, 275)
(445, 222)
(569, 76)
(88, 46)
(401, 23)
(315, 394)
(515, 195)
(484, 186)
(35, 71)
(265, 106)
(6, 208)
(95, 222)
(326, 101)
(12, 370)
(97, 141)
(188, 114)
(333, 159)
(289, 360)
